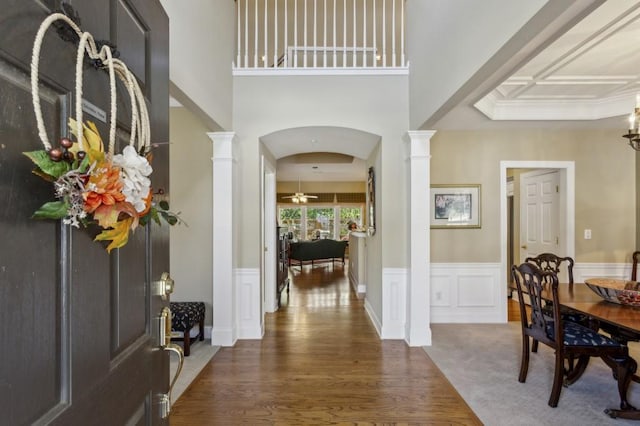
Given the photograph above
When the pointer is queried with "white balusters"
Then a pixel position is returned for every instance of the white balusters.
(393, 34)
(364, 32)
(266, 35)
(324, 32)
(246, 34)
(287, 34)
(375, 39)
(354, 33)
(384, 33)
(344, 33)
(255, 36)
(335, 26)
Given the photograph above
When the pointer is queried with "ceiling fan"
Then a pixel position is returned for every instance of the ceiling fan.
(300, 197)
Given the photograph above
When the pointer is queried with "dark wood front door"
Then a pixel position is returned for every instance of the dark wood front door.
(79, 325)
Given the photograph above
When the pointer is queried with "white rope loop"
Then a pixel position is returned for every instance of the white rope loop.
(79, 64)
(140, 126)
(35, 59)
(106, 52)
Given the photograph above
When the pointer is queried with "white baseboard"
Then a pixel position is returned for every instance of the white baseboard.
(223, 337)
(373, 317)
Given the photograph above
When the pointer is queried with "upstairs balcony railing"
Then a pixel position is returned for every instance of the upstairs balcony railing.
(320, 34)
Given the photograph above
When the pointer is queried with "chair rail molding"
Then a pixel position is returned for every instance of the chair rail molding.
(582, 271)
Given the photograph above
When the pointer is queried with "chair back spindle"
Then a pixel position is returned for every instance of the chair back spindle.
(634, 268)
(553, 263)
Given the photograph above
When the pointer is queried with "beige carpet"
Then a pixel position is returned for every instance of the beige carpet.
(482, 361)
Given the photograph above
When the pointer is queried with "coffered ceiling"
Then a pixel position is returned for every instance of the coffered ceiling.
(591, 72)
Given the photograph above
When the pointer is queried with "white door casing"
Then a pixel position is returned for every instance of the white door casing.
(567, 211)
(269, 238)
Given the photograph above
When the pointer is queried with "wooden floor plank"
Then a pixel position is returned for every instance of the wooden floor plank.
(321, 362)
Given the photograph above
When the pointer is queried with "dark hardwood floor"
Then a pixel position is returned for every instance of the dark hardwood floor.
(321, 362)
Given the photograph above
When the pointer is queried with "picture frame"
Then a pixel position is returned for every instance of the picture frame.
(455, 206)
(371, 201)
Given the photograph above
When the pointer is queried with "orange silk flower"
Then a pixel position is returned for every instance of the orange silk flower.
(104, 187)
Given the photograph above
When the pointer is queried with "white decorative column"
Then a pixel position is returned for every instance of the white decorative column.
(418, 324)
(223, 332)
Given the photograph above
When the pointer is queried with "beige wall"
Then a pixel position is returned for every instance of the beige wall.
(605, 188)
(202, 46)
(191, 194)
(263, 105)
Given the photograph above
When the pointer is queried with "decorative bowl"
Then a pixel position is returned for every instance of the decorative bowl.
(618, 291)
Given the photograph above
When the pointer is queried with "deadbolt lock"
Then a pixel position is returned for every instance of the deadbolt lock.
(164, 287)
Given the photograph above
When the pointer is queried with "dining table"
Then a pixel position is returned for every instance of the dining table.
(621, 321)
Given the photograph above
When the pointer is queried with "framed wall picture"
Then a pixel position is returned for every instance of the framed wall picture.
(455, 206)
(371, 201)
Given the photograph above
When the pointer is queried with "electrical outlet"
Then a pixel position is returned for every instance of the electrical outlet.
(587, 234)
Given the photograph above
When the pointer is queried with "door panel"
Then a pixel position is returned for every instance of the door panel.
(79, 324)
(540, 213)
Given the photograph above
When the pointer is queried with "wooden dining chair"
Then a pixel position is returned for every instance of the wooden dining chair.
(634, 266)
(569, 340)
(551, 262)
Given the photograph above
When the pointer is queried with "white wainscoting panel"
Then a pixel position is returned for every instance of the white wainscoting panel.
(394, 303)
(467, 293)
(249, 319)
(581, 271)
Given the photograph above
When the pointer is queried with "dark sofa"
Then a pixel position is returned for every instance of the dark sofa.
(319, 250)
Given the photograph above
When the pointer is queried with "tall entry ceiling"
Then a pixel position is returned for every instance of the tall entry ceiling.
(587, 77)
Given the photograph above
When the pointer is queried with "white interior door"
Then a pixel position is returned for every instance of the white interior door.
(539, 213)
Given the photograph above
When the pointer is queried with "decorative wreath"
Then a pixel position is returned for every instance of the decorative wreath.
(93, 185)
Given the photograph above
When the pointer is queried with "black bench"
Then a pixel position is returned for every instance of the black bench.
(184, 316)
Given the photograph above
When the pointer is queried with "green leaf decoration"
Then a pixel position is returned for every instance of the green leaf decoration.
(164, 205)
(82, 165)
(47, 165)
(43, 175)
(169, 218)
(153, 214)
(51, 210)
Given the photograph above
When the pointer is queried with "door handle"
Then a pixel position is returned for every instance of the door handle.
(523, 247)
(164, 341)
